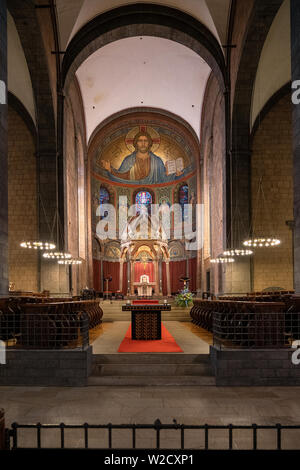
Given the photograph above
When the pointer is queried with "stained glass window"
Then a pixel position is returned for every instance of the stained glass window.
(104, 195)
(183, 198)
(143, 198)
(103, 199)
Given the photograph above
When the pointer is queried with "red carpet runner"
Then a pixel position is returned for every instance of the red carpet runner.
(165, 345)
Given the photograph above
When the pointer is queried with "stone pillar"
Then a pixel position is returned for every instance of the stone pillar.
(3, 153)
(295, 53)
(187, 270)
(200, 272)
(168, 278)
(121, 276)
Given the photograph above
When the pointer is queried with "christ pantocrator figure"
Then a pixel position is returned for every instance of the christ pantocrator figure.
(142, 166)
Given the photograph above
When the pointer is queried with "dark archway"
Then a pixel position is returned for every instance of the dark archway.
(261, 19)
(24, 15)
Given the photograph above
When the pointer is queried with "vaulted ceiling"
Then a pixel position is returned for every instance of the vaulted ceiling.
(72, 15)
(139, 72)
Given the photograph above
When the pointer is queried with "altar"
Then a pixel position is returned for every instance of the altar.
(144, 287)
(146, 319)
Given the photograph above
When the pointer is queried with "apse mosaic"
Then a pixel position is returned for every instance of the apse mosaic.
(144, 155)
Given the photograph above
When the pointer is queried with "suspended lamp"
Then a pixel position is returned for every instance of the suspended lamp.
(261, 242)
(257, 238)
(222, 260)
(36, 245)
(237, 252)
(57, 255)
(70, 261)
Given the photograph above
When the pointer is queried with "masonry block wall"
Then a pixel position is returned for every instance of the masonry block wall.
(272, 161)
(22, 210)
(3, 157)
(213, 153)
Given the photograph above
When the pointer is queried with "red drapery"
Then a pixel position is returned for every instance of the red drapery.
(125, 280)
(143, 268)
(177, 270)
(192, 273)
(164, 278)
(111, 269)
(97, 274)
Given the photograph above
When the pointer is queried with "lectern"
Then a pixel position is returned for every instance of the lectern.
(146, 319)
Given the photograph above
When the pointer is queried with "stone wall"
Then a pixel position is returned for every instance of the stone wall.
(22, 210)
(272, 161)
(59, 368)
(248, 367)
(3, 157)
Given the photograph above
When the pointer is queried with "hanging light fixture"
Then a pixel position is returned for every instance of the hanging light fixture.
(222, 260)
(70, 261)
(258, 239)
(57, 255)
(261, 242)
(237, 252)
(36, 245)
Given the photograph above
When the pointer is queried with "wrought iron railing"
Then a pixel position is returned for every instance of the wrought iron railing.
(55, 325)
(12, 435)
(258, 330)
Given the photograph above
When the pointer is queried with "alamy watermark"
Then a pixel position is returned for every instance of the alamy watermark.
(2, 352)
(140, 221)
(296, 93)
(296, 354)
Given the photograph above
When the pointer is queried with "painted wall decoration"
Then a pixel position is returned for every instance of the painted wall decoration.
(113, 252)
(144, 155)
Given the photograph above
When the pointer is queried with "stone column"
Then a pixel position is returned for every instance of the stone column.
(168, 278)
(3, 153)
(200, 272)
(121, 276)
(295, 53)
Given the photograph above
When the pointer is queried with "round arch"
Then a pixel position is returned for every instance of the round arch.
(261, 19)
(143, 19)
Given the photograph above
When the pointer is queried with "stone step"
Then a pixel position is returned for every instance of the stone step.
(164, 317)
(117, 318)
(151, 358)
(152, 380)
(140, 370)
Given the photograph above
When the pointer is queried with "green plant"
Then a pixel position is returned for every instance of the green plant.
(184, 298)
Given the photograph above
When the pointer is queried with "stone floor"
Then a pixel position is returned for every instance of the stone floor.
(189, 405)
(113, 333)
(143, 405)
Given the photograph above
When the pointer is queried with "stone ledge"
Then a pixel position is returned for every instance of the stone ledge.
(254, 368)
(47, 368)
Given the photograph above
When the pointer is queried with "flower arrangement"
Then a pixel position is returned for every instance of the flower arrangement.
(184, 298)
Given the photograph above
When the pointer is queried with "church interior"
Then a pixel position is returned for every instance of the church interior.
(150, 222)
